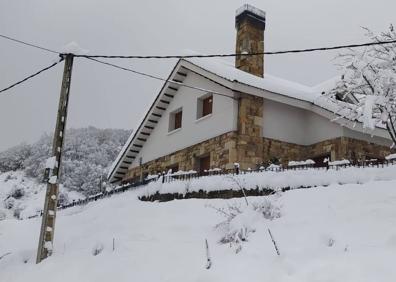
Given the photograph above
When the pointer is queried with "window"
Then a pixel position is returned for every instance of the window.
(172, 168)
(320, 161)
(204, 105)
(204, 163)
(175, 119)
(178, 119)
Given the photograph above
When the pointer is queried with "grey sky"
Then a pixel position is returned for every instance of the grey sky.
(105, 97)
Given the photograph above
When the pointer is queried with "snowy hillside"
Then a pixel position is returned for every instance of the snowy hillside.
(334, 233)
(23, 196)
(88, 152)
(87, 155)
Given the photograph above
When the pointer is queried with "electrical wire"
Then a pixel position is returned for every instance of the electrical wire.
(28, 44)
(208, 55)
(160, 78)
(240, 54)
(31, 76)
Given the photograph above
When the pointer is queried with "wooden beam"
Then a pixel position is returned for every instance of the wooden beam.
(160, 108)
(182, 74)
(169, 95)
(164, 101)
(156, 115)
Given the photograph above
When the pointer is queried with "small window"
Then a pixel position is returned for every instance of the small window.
(172, 168)
(204, 164)
(204, 106)
(175, 119)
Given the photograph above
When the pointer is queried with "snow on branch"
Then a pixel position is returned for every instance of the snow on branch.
(367, 90)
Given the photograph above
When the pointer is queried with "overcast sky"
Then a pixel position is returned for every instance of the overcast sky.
(108, 98)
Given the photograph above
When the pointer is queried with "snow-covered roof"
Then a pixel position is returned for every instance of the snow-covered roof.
(223, 73)
(270, 83)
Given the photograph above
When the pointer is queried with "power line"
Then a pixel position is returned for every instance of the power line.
(28, 44)
(31, 76)
(160, 78)
(239, 54)
(307, 50)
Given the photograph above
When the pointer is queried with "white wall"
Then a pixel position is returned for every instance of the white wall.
(367, 137)
(222, 120)
(294, 125)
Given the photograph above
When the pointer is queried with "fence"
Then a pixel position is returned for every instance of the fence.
(167, 178)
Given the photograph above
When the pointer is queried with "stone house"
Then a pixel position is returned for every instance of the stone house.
(212, 114)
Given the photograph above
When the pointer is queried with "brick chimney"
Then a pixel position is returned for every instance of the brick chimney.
(250, 26)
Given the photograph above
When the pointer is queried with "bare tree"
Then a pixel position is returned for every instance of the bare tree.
(367, 90)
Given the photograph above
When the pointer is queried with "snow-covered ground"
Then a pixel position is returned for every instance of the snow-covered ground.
(334, 233)
(274, 180)
(22, 196)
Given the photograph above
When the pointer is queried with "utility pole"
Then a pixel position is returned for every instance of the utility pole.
(54, 164)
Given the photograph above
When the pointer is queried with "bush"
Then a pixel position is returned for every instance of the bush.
(9, 203)
(17, 192)
(97, 249)
(240, 221)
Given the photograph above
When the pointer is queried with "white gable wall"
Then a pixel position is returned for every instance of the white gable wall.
(298, 126)
(222, 120)
(295, 125)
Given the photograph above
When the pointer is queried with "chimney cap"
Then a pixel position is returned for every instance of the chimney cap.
(249, 12)
(251, 9)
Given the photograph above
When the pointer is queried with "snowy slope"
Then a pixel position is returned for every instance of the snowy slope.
(165, 241)
(22, 196)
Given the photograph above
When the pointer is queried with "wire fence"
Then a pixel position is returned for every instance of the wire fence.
(169, 177)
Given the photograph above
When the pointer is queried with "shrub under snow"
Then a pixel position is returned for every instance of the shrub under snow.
(241, 220)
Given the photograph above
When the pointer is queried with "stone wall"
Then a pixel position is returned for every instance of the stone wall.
(222, 151)
(337, 149)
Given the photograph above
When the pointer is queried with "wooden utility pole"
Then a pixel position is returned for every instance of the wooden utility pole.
(51, 197)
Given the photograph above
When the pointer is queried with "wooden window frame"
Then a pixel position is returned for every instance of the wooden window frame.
(207, 106)
(204, 105)
(178, 120)
(175, 120)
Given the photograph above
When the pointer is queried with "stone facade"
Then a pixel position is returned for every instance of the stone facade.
(337, 149)
(250, 131)
(221, 149)
(252, 152)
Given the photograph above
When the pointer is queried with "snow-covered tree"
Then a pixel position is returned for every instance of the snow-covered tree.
(368, 84)
(14, 158)
(87, 155)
